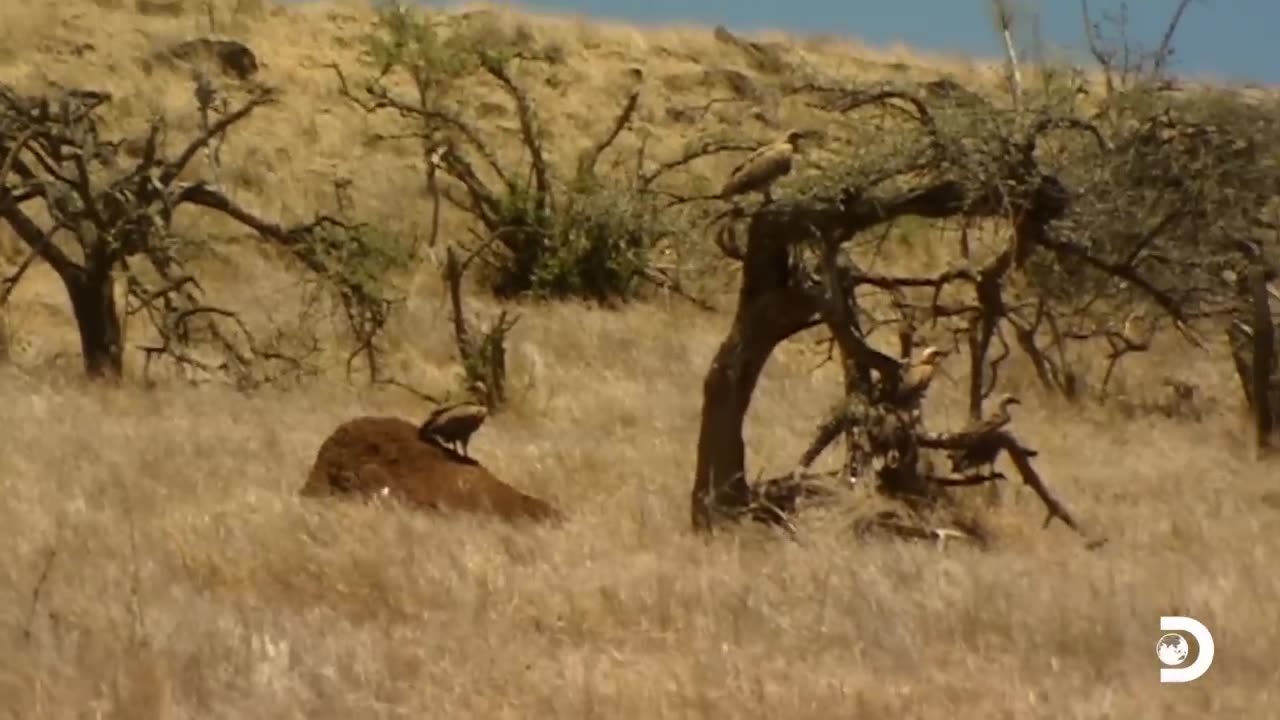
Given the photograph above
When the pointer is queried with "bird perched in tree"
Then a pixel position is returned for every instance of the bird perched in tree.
(455, 423)
(984, 444)
(759, 171)
(917, 376)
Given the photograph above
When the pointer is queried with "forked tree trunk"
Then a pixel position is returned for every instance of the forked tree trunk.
(93, 302)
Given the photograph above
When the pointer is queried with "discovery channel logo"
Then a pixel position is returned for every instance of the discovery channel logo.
(1173, 649)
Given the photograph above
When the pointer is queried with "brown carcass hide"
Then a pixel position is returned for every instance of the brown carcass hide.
(369, 457)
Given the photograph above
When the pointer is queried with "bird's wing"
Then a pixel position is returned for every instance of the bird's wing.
(999, 418)
(755, 155)
(970, 455)
(917, 375)
(983, 426)
(964, 458)
(764, 165)
(438, 413)
(466, 412)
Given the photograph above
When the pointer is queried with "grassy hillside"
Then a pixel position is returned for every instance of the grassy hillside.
(286, 159)
(160, 564)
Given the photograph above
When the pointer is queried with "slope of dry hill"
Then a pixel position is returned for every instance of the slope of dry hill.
(288, 155)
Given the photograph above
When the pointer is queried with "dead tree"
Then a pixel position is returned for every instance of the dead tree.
(111, 218)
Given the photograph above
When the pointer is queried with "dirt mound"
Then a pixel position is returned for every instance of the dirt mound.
(370, 456)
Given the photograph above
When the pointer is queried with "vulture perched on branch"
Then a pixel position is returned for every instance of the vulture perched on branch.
(759, 171)
(917, 376)
(984, 444)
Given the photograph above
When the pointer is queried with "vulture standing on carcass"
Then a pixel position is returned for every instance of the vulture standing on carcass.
(984, 443)
(455, 423)
(917, 376)
(759, 171)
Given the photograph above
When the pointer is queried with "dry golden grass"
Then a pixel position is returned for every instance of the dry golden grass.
(237, 599)
(159, 563)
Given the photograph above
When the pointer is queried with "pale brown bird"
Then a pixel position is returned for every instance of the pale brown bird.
(455, 423)
(762, 167)
(917, 376)
(984, 444)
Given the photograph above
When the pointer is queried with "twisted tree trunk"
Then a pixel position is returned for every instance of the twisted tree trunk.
(770, 310)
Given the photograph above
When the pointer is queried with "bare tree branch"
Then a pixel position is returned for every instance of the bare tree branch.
(587, 162)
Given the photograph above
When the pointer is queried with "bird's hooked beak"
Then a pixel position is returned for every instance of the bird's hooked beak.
(933, 354)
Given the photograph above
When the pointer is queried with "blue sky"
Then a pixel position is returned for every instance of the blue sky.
(1228, 39)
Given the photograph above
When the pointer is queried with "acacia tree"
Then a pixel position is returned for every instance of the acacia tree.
(95, 217)
(1136, 213)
